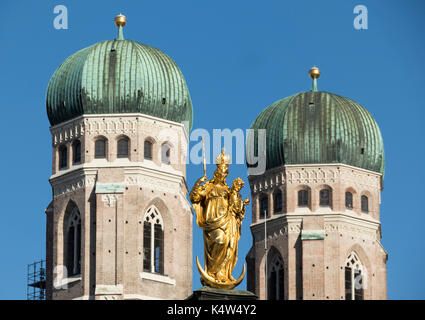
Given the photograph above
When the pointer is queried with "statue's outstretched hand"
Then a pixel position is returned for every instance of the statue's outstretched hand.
(202, 179)
(246, 202)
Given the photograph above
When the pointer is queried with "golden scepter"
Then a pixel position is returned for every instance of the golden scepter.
(203, 154)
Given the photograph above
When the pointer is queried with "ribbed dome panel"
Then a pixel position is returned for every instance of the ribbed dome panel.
(118, 76)
(320, 127)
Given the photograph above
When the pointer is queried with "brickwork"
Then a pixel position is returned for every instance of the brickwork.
(112, 220)
(314, 241)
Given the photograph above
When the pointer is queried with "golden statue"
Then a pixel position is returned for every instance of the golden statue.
(219, 212)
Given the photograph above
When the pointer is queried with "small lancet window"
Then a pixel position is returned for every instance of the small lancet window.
(165, 154)
(264, 207)
(76, 152)
(349, 200)
(325, 196)
(365, 204)
(122, 147)
(278, 202)
(100, 149)
(303, 198)
(148, 150)
(63, 157)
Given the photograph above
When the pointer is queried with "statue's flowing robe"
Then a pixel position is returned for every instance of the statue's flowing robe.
(221, 229)
(237, 210)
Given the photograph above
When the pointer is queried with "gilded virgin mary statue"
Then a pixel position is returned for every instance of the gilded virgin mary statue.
(219, 212)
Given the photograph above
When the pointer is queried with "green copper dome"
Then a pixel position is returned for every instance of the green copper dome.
(118, 76)
(320, 127)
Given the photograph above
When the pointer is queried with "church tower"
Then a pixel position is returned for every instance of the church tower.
(119, 225)
(315, 210)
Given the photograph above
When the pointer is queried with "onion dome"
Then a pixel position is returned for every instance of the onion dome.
(318, 127)
(118, 76)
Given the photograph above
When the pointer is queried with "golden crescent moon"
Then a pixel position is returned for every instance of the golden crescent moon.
(239, 280)
(210, 281)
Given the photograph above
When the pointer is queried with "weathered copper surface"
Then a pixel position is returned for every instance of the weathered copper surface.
(118, 76)
(320, 127)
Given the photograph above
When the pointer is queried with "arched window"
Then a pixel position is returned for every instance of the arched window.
(76, 152)
(354, 278)
(153, 241)
(122, 147)
(325, 197)
(303, 198)
(63, 157)
(275, 281)
(264, 206)
(349, 200)
(365, 204)
(165, 153)
(100, 148)
(73, 243)
(277, 201)
(148, 150)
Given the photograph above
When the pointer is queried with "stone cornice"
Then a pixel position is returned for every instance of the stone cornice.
(289, 166)
(73, 180)
(85, 176)
(149, 166)
(158, 181)
(122, 123)
(367, 222)
(277, 225)
(333, 222)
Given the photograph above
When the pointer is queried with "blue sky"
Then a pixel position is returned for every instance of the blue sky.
(238, 57)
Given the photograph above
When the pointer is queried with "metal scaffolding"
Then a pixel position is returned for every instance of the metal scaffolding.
(36, 280)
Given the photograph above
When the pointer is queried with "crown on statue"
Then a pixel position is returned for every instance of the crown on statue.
(222, 160)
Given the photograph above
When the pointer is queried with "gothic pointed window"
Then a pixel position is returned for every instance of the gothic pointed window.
(354, 278)
(349, 200)
(148, 150)
(325, 197)
(303, 198)
(63, 157)
(365, 204)
(76, 152)
(264, 206)
(73, 243)
(276, 279)
(147, 246)
(122, 147)
(153, 241)
(100, 148)
(277, 202)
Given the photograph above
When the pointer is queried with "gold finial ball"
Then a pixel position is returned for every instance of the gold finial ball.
(314, 73)
(120, 20)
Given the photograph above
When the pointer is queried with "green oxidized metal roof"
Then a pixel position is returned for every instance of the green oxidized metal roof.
(320, 127)
(118, 76)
